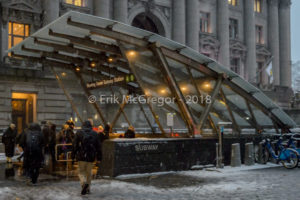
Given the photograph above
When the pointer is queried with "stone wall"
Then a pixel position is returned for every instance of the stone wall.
(125, 156)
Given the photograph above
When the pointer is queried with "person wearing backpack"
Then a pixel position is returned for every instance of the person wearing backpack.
(9, 140)
(33, 143)
(86, 149)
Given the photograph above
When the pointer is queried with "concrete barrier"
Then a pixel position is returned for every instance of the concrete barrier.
(235, 155)
(249, 154)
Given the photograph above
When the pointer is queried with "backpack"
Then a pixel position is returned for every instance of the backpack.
(88, 146)
(33, 141)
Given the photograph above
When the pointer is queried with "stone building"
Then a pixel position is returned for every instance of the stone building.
(244, 35)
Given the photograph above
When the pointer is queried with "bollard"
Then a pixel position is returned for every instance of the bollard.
(261, 150)
(249, 154)
(235, 155)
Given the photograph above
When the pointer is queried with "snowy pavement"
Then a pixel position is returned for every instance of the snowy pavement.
(256, 182)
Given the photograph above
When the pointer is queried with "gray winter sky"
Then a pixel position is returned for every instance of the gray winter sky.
(295, 26)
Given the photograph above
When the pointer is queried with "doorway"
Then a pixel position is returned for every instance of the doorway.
(23, 110)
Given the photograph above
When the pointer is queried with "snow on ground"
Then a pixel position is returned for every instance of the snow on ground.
(247, 182)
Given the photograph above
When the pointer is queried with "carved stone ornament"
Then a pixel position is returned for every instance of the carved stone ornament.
(263, 51)
(24, 11)
(33, 6)
(237, 49)
(209, 44)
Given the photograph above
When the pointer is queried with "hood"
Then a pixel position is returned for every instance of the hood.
(34, 127)
(87, 125)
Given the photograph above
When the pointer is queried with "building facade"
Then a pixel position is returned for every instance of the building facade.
(243, 35)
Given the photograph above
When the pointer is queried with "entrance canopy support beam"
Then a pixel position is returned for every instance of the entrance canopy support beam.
(89, 95)
(235, 126)
(146, 117)
(211, 122)
(139, 80)
(257, 127)
(208, 106)
(187, 116)
(121, 110)
(67, 94)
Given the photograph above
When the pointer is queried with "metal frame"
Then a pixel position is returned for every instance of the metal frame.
(165, 69)
(88, 94)
(213, 98)
(131, 65)
(66, 93)
(95, 51)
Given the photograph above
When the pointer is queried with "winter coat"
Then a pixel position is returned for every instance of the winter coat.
(33, 159)
(49, 135)
(65, 136)
(129, 134)
(103, 136)
(9, 140)
(83, 152)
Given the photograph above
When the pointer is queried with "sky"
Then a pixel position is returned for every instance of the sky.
(295, 28)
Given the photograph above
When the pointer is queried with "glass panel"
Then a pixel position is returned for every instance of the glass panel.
(26, 30)
(155, 87)
(9, 27)
(18, 29)
(17, 40)
(9, 42)
(260, 117)
(69, 1)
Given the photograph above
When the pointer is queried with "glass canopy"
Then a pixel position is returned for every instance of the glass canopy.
(204, 92)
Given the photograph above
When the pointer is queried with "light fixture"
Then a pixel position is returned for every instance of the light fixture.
(93, 64)
(183, 89)
(63, 74)
(77, 69)
(147, 93)
(207, 85)
(131, 54)
(163, 91)
(110, 59)
(247, 118)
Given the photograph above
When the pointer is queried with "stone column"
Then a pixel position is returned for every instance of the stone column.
(273, 36)
(121, 10)
(192, 24)
(249, 30)
(223, 32)
(178, 21)
(51, 8)
(285, 42)
(101, 8)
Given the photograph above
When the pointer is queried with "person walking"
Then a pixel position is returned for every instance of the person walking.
(86, 149)
(9, 140)
(33, 143)
(49, 133)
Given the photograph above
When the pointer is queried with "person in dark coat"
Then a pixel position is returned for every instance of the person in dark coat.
(101, 135)
(33, 142)
(19, 140)
(9, 140)
(130, 133)
(86, 149)
(107, 130)
(49, 133)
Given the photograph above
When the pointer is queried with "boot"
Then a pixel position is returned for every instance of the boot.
(84, 189)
